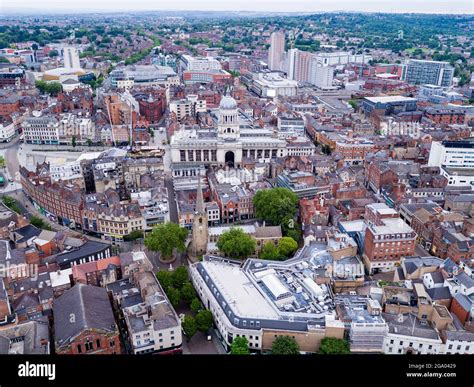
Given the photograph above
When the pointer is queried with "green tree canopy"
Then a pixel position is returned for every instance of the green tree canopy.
(189, 326)
(51, 88)
(285, 345)
(240, 346)
(40, 223)
(270, 252)
(179, 277)
(134, 235)
(196, 305)
(204, 320)
(165, 238)
(334, 346)
(275, 205)
(236, 244)
(165, 279)
(287, 246)
(188, 294)
(174, 296)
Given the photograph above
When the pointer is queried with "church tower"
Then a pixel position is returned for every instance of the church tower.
(200, 231)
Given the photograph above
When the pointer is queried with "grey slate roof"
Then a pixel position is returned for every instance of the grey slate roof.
(465, 280)
(439, 293)
(90, 307)
(437, 277)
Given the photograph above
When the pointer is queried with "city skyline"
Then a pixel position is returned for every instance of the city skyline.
(306, 6)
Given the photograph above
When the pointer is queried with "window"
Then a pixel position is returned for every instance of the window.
(88, 346)
(79, 348)
(97, 343)
(112, 343)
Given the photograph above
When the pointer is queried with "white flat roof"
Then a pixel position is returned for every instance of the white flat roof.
(390, 98)
(60, 278)
(353, 225)
(239, 292)
(392, 226)
(274, 285)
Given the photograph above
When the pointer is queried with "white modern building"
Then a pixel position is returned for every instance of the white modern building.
(272, 85)
(320, 75)
(191, 63)
(455, 159)
(266, 299)
(341, 58)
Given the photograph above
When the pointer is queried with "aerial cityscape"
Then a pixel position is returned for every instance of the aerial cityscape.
(236, 182)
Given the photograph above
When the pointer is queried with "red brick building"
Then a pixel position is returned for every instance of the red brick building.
(387, 238)
(84, 322)
(446, 116)
(9, 105)
(60, 201)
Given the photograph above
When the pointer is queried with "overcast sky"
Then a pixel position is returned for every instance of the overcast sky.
(425, 6)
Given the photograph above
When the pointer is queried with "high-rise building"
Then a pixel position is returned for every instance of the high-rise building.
(71, 58)
(429, 72)
(277, 48)
(302, 65)
(320, 75)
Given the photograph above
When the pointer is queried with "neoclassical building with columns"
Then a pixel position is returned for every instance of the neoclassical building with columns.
(228, 145)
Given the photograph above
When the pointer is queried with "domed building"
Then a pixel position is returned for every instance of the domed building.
(227, 145)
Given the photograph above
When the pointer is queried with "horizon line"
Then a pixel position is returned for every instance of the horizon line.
(24, 11)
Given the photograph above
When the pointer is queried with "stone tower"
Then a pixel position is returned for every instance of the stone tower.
(200, 231)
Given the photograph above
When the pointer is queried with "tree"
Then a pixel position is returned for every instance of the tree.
(333, 346)
(52, 88)
(165, 279)
(174, 296)
(292, 229)
(196, 305)
(188, 294)
(12, 204)
(165, 238)
(189, 326)
(240, 346)
(134, 235)
(285, 345)
(270, 252)
(89, 142)
(39, 223)
(73, 141)
(204, 320)
(236, 244)
(275, 205)
(53, 53)
(179, 277)
(287, 246)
